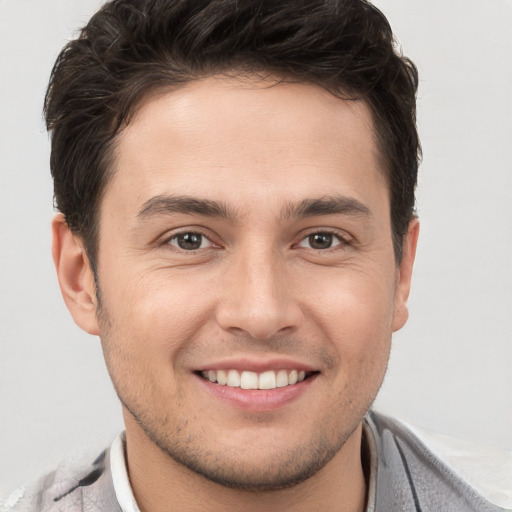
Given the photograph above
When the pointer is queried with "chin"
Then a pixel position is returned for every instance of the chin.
(266, 464)
(277, 471)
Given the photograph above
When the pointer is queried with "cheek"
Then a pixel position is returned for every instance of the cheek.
(353, 305)
(355, 314)
(151, 320)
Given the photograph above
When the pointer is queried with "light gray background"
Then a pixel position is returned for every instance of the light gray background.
(451, 366)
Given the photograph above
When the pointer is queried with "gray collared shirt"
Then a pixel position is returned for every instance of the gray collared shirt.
(403, 474)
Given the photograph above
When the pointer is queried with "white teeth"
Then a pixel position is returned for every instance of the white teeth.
(222, 377)
(253, 380)
(249, 380)
(267, 380)
(233, 379)
(282, 379)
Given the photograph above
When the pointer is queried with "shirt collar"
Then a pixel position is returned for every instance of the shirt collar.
(120, 477)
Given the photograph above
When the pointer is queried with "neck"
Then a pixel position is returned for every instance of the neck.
(158, 483)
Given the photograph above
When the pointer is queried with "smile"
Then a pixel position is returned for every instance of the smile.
(252, 380)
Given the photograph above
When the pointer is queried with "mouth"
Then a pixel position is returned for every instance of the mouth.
(266, 380)
(257, 386)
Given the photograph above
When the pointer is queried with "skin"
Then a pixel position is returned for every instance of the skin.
(256, 289)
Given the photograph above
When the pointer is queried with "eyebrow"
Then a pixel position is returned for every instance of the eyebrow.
(327, 205)
(162, 205)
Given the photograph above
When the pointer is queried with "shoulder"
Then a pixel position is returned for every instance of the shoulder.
(435, 469)
(75, 486)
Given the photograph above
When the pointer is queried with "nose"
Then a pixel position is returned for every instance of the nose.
(258, 298)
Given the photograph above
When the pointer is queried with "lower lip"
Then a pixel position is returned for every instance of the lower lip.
(258, 400)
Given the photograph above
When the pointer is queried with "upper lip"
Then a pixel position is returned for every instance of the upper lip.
(257, 365)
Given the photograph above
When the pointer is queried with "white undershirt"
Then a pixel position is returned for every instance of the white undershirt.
(120, 475)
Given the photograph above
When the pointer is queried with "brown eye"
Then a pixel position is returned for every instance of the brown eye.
(320, 240)
(190, 241)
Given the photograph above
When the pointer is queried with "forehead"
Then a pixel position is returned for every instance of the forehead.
(222, 136)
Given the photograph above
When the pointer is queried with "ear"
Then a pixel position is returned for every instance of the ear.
(404, 274)
(75, 276)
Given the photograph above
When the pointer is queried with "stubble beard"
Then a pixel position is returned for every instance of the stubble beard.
(285, 469)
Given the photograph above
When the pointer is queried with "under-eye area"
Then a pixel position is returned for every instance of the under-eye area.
(253, 380)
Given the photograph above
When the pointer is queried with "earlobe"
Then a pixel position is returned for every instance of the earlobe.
(75, 275)
(404, 275)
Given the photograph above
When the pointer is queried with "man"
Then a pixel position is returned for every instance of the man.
(236, 187)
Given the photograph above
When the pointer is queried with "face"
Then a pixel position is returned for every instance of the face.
(248, 282)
